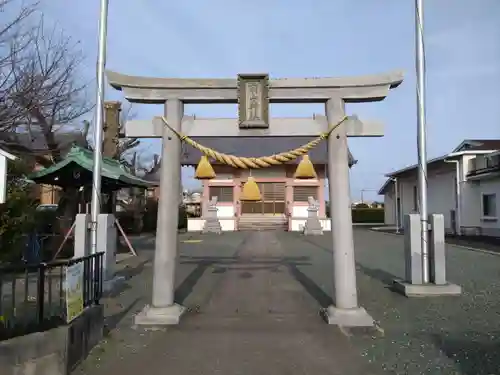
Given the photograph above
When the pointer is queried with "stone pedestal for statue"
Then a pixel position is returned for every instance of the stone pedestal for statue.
(413, 285)
(313, 226)
(212, 223)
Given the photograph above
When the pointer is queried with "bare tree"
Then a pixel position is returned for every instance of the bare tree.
(45, 89)
(41, 91)
(15, 39)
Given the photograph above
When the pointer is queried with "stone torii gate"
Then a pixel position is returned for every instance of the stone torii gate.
(254, 92)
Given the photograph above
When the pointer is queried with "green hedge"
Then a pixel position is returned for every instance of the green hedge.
(368, 215)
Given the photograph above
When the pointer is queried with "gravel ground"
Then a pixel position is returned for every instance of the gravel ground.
(451, 335)
(443, 335)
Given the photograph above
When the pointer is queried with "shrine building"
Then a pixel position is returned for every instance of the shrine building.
(284, 199)
(257, 172)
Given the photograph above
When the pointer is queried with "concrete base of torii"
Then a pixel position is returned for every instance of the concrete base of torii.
(160, 316)
(356, 317)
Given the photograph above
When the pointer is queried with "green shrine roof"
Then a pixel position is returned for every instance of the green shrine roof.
(76, 170)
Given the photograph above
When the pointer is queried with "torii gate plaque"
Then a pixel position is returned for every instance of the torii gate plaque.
(253, 102)
(255, 91)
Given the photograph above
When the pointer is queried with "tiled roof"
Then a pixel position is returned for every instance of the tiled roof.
(478, 145)
(81, 160)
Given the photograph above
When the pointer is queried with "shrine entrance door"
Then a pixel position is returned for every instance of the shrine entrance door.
(273, 200)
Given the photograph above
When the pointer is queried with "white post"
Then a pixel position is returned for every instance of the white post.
(81, 242)
(3, 179)
(98, 126)
(421, 137)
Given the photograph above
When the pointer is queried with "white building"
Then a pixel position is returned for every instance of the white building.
(4, 157)
(464, 186)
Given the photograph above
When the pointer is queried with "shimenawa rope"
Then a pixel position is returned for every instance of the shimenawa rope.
(258, 162)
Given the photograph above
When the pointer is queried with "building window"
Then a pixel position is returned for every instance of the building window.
(491, 161)
(223, 193)
(489, 205)
(415, 198)
(302, 193)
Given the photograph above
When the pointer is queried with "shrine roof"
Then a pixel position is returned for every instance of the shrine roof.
(255, 147)
(76, 170)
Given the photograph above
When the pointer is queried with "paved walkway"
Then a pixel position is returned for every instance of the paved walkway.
(254, 301)
(250, 316)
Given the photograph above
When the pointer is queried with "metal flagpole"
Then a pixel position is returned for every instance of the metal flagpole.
(421, 137)
(98, 126)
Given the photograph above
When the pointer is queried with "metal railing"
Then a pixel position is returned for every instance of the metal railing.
(483, 163)
(33, 296)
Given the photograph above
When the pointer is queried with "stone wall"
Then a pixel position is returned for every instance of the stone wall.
(56, 351)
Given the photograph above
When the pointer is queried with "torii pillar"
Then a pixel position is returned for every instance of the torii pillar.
(254, 93)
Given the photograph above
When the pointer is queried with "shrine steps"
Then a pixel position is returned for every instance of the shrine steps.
(262, 222)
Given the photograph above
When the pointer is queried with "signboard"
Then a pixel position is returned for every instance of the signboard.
(253, 101)
(74, 291)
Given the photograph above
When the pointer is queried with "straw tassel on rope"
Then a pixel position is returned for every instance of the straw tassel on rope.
(204, 170)
(305, 169)
(250, 191)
